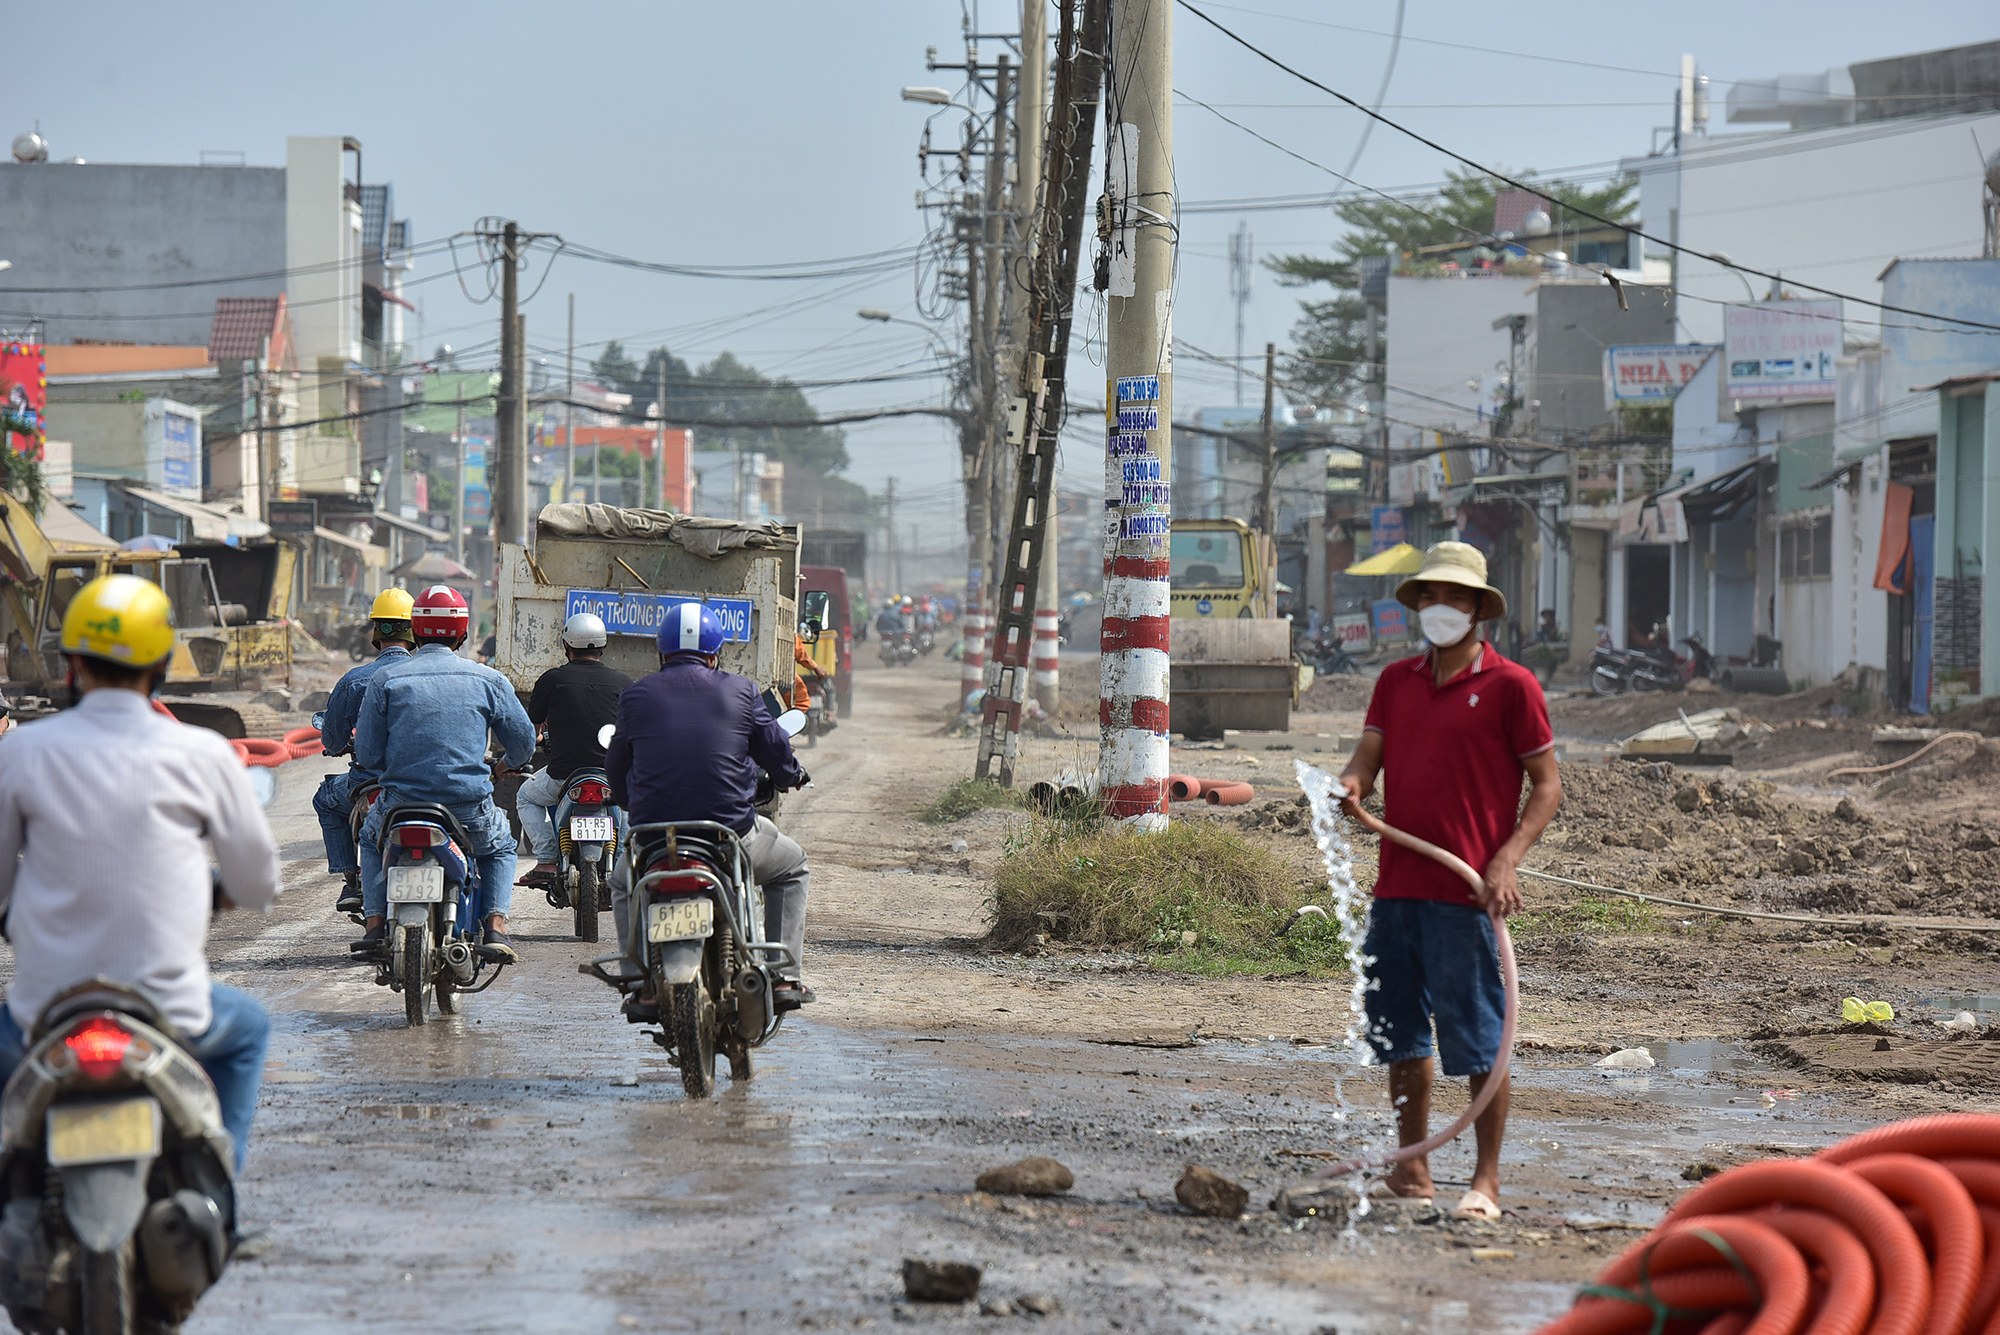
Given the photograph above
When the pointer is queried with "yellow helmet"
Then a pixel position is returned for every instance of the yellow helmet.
(121, 619)
(392, 605)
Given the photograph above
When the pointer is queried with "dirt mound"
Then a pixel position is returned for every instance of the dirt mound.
(1337, 694)
(1692, 835)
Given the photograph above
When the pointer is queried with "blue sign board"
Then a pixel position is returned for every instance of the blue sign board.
(643, 613)
(1392, 620)
(1387, 529)
(180, 464)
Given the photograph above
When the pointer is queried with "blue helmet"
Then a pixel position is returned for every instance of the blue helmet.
(691, 626)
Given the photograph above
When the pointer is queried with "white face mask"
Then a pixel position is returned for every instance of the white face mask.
(1444, 625)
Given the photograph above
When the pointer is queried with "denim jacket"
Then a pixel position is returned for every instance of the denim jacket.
(336, 729)
(424, 723)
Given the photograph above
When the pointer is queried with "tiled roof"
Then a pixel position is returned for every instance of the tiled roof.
(241, 326)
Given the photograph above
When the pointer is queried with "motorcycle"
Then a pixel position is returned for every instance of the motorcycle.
(899, 649)
(117, 1182)
(697, 935)
(926, 641)
(586, 844)
(435, 911)
(1615, 671)
(1327, 657)
(819, 712)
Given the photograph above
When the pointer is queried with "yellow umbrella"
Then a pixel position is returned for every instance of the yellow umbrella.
(1402, 559)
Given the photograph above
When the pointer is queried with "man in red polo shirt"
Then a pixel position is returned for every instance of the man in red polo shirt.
(1456, 729)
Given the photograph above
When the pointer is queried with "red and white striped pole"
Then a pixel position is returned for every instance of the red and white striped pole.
(972, 636)
(1138, 474)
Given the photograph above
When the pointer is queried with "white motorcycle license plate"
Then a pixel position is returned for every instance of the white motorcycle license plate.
(416, 885)
(590, 829)
(688, 920)
(107, 1132)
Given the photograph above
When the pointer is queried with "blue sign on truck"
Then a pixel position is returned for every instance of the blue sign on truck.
(626, 613)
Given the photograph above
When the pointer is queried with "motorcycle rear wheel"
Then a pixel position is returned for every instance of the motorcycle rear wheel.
(1605, 682)
(585, 906)
(109, 1302)
(416, 969)
(694, 1035)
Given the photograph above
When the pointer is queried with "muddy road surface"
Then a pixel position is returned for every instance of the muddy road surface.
(533, 1165)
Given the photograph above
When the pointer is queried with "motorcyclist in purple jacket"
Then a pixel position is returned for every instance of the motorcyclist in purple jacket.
(690, 741)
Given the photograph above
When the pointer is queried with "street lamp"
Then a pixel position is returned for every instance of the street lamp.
(936, 97)
(1720, 258)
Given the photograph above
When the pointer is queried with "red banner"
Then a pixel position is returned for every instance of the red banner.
(24, 396)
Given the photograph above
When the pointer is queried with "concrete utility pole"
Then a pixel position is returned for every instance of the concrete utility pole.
(1000, 239)
(1023, 632)
(458, 491)
(1033, 119)
(1267, 511)
(509, 507)
(986, 267)
(889, 561)
(1132, 764)
(1240, 275)
(569, 406)
(660, 440)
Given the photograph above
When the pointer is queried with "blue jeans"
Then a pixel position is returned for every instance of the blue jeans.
(493, 848)
(231, 1050)
(1434, 959)
(332, 802)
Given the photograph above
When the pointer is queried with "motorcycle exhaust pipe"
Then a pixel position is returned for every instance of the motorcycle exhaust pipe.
(753, 1004)
(463, 963)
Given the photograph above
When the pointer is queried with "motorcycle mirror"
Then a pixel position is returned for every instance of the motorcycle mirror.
(793, 721)
(319, 720)
(264, 783)
(605, 734)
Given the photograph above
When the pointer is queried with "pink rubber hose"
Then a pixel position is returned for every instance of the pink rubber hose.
(1508, 976)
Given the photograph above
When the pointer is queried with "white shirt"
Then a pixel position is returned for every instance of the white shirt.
(106, 807)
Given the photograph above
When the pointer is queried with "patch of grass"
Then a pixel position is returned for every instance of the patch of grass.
(1199, 897)
(966, 796)
(1610, 916)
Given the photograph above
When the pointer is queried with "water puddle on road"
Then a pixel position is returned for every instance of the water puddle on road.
(1982, 1003)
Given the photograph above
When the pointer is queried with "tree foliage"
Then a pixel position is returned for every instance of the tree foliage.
(1328, 340)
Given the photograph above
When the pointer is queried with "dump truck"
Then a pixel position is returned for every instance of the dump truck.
(1229, 652)
(630, 567)
(229, 609)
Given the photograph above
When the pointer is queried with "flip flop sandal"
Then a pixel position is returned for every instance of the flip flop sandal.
(1380, 1193)
(1477, 1205)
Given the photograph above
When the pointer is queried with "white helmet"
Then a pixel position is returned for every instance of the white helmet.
(584, 631)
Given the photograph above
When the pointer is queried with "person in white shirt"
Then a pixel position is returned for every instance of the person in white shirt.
(109, 815)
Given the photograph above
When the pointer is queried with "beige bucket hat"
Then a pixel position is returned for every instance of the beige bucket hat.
(1455, 563)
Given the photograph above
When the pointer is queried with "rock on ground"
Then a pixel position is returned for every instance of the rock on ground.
(1035, 1176)
(1211, 1194)
(940, 1281)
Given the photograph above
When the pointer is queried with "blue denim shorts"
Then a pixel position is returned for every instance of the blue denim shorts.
(1434, 960)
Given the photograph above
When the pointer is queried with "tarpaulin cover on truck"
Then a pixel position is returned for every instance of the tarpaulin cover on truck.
(707, 538)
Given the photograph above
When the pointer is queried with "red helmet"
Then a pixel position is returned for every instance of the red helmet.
(440, 613)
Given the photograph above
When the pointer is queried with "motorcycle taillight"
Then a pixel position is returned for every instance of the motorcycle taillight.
(590, 793)
(418, 836)
(99, 1046)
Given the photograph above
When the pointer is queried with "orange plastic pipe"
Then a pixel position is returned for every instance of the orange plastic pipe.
(1901, 1270)
(1957, 1235)
(1943, 1136)
(261, 751)
(1183, 788)
(1510, 980)
(1681, 1249)
(303, 742)
(1227, 794)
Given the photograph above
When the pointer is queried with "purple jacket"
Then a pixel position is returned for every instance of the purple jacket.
(689, 743)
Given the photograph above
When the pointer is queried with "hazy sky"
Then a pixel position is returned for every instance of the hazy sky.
(764, 132)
